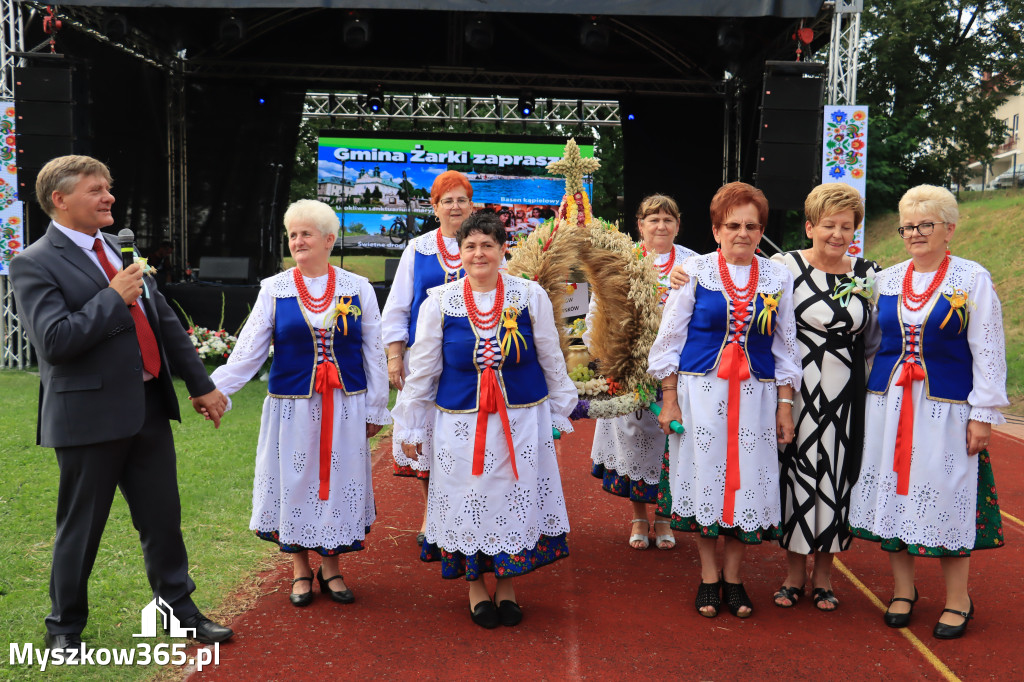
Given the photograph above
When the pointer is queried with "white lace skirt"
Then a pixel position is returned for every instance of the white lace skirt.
(285, 493)
(630, 447)
(494, 512)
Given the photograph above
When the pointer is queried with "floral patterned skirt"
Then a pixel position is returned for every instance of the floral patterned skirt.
(273, 536)
(503, 565)
(624, 486)
(988, 521)
(689, 523)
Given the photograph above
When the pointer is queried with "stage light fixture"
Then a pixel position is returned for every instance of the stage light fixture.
(630, 117)
(526, 105)
(231, 30)
(595, 35)
(355, 32)
(115, 26)
(479, 33)
(375, 99)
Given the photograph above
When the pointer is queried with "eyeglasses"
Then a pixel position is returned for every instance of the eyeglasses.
(735, 227)
(924, 229)
(449, 202)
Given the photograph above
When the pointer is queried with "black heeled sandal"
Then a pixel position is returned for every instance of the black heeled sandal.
(708, 594)
(943, 631)
(341, 596)
(900, 620)
(304, 599)
(735, 597)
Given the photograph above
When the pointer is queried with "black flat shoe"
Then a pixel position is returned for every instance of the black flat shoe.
(341, 596)
(206, 631)
(900, 620)
(509, 613)
(485, 614)
(68, 642)
(943, 631)
(304, 599)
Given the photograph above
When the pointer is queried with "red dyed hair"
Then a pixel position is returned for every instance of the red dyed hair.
(737, 194)
(446, 182)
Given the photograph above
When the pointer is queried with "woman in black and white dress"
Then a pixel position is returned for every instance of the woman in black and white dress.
(832, 301)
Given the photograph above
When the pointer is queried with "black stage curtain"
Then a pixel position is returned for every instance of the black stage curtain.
(674, 146)
(241, 148)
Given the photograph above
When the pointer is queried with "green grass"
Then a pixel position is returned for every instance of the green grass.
(989, 232)
(215, 469)
(370, 267)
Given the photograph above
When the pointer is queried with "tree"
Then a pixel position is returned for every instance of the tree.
(303, 181)
(921, 71)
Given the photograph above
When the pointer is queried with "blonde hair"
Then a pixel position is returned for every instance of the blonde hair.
(832, 198)
(62, 174)
(656, 203)
(930, 199)
(316, 212)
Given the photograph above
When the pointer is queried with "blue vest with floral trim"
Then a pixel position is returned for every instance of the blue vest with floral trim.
(458, 390)
(296, 348)
(708, 332)
(426, 274)
(945, 354)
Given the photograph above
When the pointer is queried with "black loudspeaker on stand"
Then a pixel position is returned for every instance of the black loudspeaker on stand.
(789, 137)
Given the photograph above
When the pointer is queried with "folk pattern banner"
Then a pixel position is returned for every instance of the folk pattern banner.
(11, 234)
(11, 210)
(845, 154)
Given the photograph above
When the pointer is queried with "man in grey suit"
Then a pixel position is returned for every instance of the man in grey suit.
(105, 396)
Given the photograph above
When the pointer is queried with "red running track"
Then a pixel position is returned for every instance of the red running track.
(609, 612)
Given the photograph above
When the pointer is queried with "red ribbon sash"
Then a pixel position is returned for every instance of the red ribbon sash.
(491, 401)
(733, 367)
(905, 431)
(325, 382)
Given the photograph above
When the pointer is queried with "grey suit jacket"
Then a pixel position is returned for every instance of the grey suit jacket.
(90, 366)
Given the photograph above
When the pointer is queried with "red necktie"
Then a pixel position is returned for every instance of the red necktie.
(147, 341)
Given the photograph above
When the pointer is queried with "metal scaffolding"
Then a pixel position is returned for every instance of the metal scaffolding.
(842, 52)
(352, 106)
(15, 351)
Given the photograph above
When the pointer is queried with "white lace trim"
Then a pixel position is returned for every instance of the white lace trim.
(987, 415)
(380, 416)
(961, 274)
(770, 276)
(451, 302)
(412, 436)
(561, 423)
(282, 285)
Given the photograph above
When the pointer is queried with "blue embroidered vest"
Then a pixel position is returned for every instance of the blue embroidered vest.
(458, 389)
(709, 330)
(293, 368)
(945, 354)
(426, 274)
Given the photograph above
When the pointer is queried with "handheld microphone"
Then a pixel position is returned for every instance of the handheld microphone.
(126, 239)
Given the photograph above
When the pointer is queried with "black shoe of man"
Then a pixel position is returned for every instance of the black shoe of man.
(206, 630)
(67, 642)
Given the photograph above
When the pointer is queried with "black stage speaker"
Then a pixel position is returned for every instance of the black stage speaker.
(225, 269)
(789, 137)
(390, 270)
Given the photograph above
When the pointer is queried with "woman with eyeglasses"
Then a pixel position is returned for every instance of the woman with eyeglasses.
(727, 358)
(428, 261)
(926, 487)
(832, 297)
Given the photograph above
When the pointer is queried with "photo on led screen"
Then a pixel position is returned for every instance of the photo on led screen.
(379, 183)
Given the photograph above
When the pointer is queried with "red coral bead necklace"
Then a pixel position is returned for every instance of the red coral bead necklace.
(489, 319)
(452, 261)
(667, 267)
(320, 303)
(913, 301)
(740, 296)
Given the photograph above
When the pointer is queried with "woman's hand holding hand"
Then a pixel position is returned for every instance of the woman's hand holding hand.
(678, 277)
(785, 430)
(412, 450)
(978, 435)
(372, 430)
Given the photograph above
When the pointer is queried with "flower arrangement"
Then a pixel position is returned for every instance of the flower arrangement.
(213, 346)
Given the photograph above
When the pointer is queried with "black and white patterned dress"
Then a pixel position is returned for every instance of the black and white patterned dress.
(818, 469)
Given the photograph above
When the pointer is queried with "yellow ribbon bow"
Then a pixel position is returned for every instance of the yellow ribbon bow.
(342, 311)
(958, 303)
(771, 307)
(512, 333)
